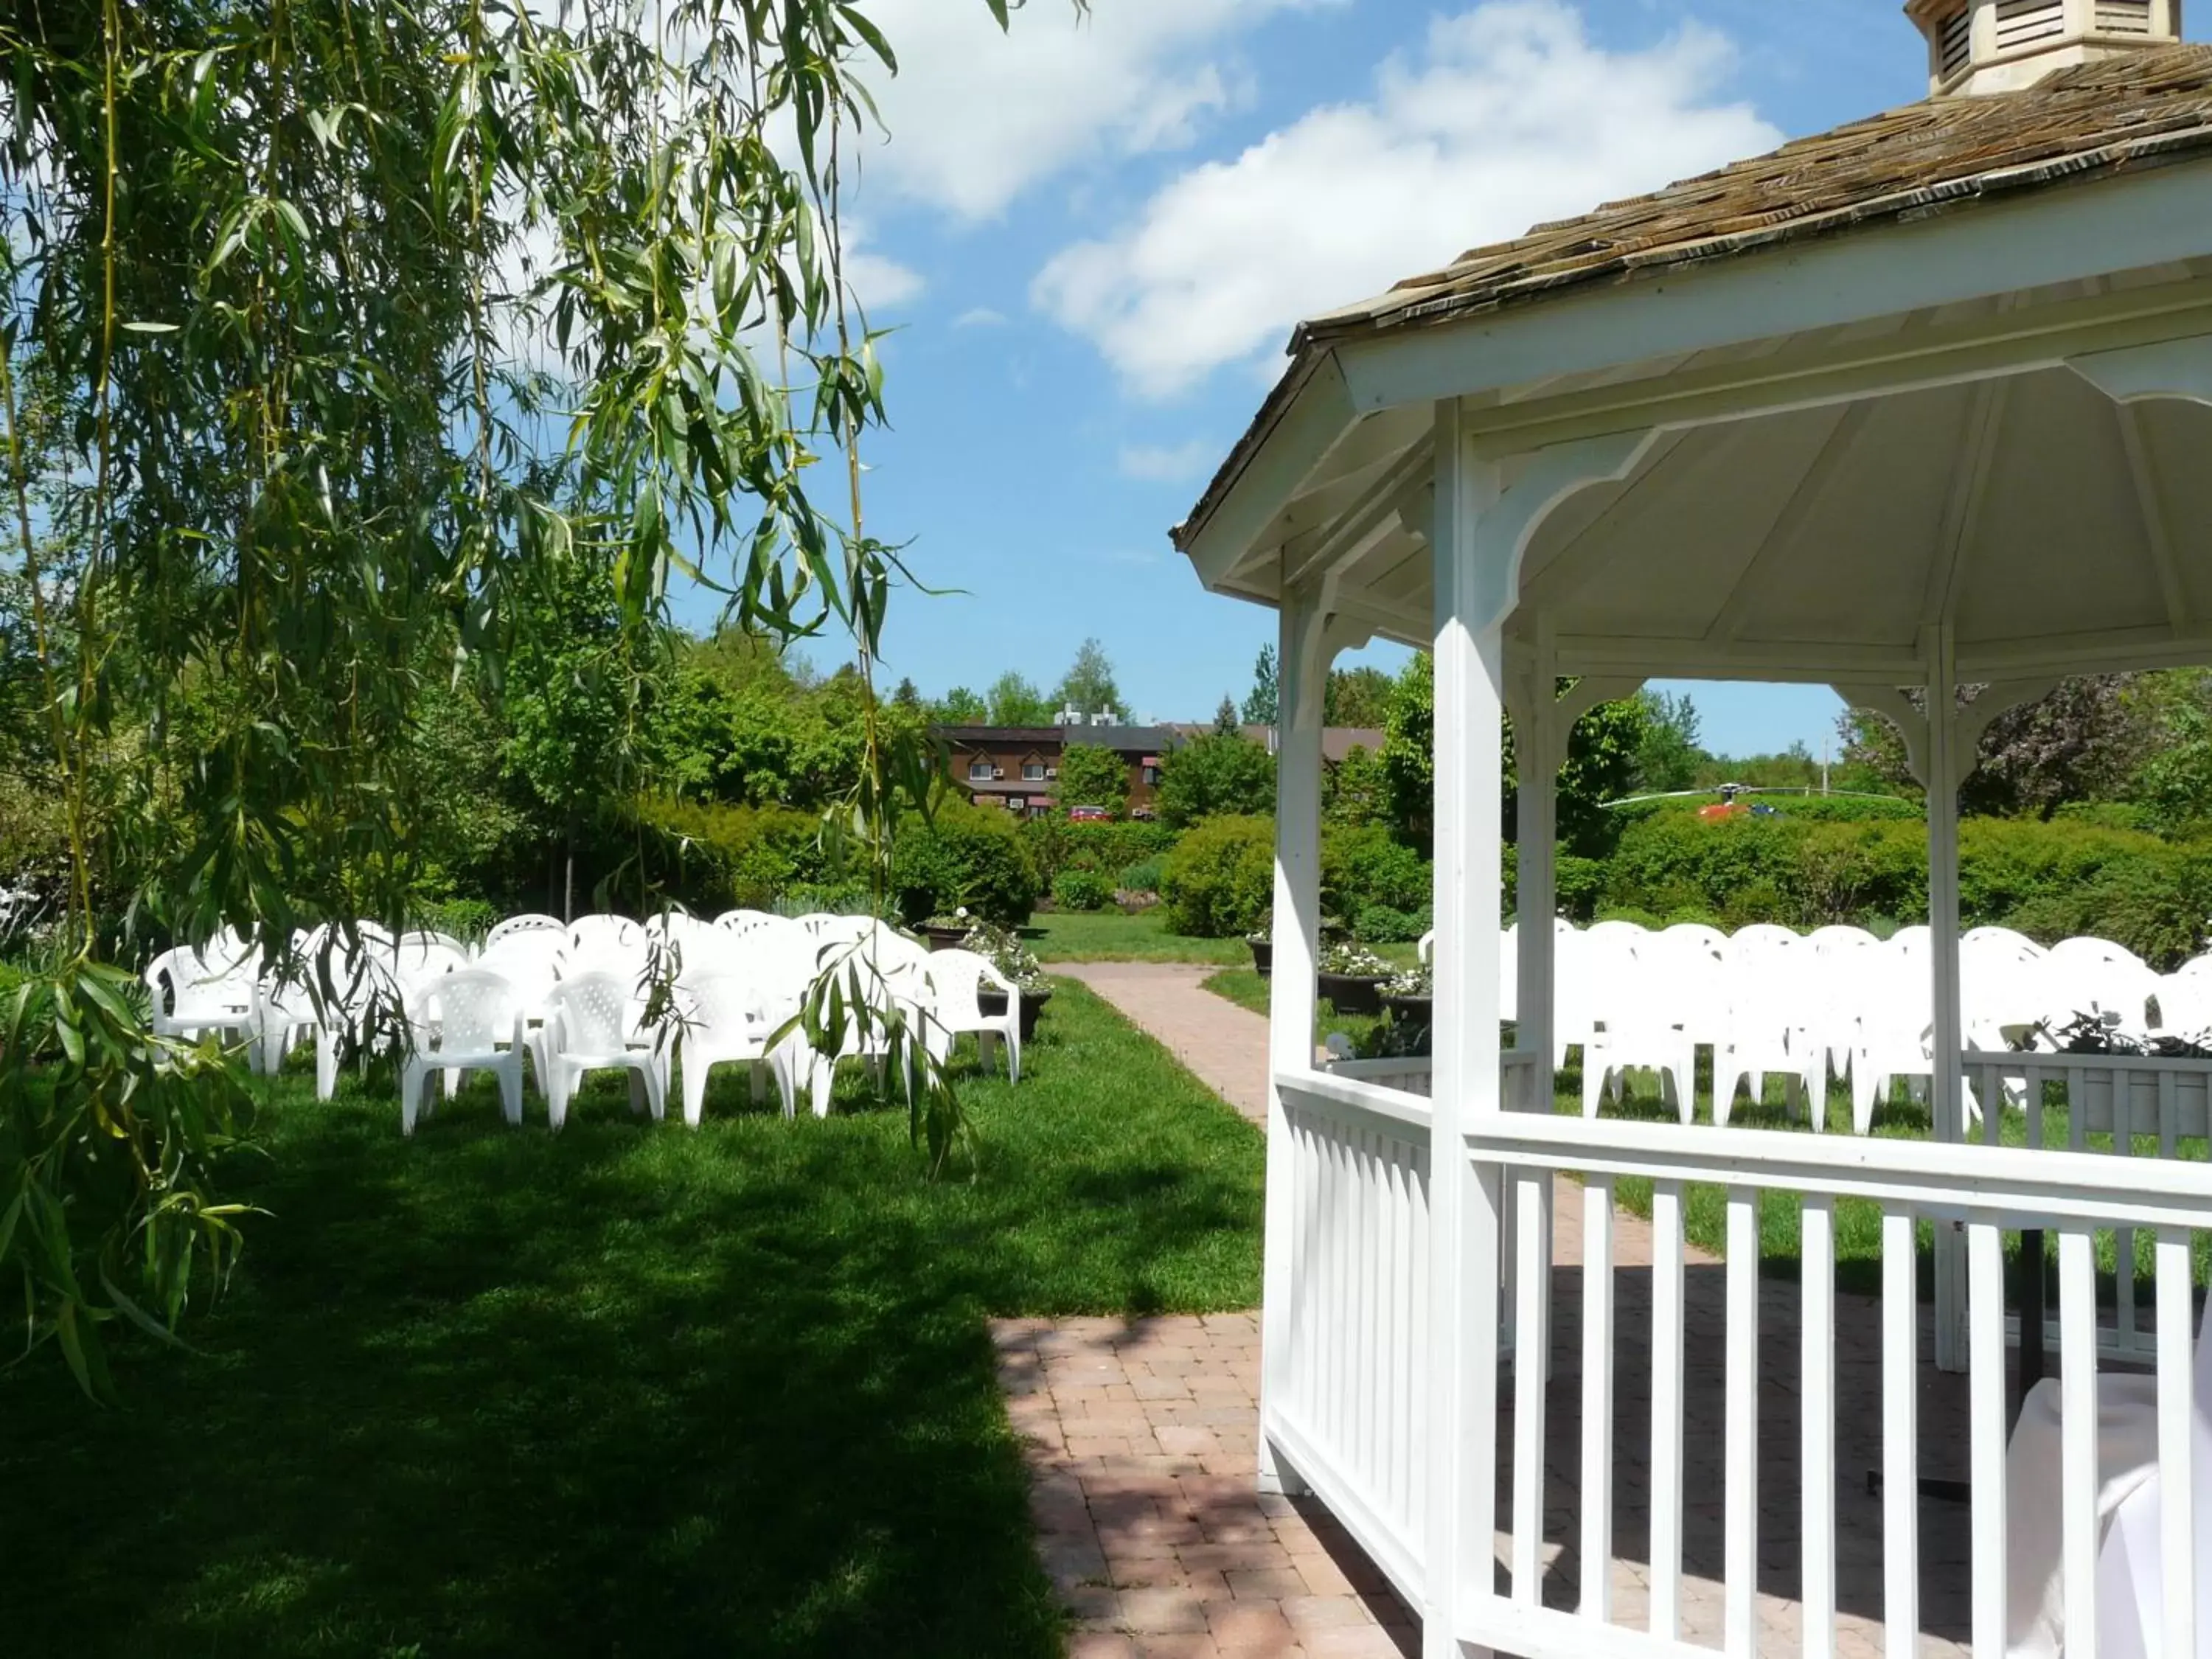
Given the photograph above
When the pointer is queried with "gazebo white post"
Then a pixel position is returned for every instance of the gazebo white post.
(1946, 1093)
(1303, 678)
(1464, 1203)
(1538, 747)
(1483, 527)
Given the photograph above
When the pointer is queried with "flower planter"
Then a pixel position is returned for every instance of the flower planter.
(1263, 956)
(992, 1002)
(1353, 994)
(1410, 1010)
(945, 939)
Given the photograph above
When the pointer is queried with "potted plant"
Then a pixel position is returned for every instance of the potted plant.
(1006, 952)
(1352, 979)
(1261, 941)
(1409, 998)
(947, 933)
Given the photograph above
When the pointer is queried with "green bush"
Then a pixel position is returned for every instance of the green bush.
(1365, 866)
(1142, 878)
(969, 856)
(464, 919)
(1379, 924)
(1082, 890)
(712, 858)
(1057, 844)
(1220, 881)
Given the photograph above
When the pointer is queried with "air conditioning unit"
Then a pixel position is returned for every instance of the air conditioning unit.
(1051, 772)
(998, 772)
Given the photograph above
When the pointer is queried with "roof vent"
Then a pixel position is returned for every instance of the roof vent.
(2001, 45)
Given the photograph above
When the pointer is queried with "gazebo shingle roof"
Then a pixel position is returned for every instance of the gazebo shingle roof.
(2119, 114)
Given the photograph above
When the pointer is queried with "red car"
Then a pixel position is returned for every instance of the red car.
(1088, 815)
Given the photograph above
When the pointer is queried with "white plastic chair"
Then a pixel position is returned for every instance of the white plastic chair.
(955, 980)
(1773, 991)
(193, 993)
(528, 922)
(590, 934)
(743, 921)
(1427, 946)
(466, 1020)
(427, 940)
(1640, 1024)
(1836, 1016)
(533, 963)
(727, 1019)
(588, 1030)
(2097, 977)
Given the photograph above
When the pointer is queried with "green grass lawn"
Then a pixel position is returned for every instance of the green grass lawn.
(1110, 936)
(631, 1390)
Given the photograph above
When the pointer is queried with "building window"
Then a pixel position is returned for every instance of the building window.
(1151, 776)
(980, 771)
(1032, 771)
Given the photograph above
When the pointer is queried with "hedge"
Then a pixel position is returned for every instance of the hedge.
(1057, 844)
(1220, 881)
(964, 856)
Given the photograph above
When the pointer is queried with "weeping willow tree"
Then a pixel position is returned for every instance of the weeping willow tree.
(333, 331)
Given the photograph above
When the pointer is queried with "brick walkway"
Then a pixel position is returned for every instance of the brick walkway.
(1141, 1435)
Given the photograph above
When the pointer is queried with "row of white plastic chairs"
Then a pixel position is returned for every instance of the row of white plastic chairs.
(604, 993)
(1767, 1001)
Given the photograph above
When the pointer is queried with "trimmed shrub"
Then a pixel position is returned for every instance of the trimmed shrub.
(1220, 880)
(1378, 924)
(464, 919)
(1082, 890)
(713, 857)
(970, 856)
(1104, 849)
(1364, 867)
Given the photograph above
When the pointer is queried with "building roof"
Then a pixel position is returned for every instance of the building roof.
(1336, 741)
(1938, 155)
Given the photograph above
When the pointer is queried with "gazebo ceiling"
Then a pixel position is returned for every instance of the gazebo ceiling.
(1815, 468)
(2043, 518)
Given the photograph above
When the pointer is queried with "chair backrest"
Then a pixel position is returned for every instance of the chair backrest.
(723, 1005)
(589, 933)
(2196, 968)
(954, 978)
(423, 956)
(197, 986)
(475, 1009)
(1840, 936)
(426, 939)
(594, 1010)
(2096, 976)
(528, 922)
(1427, 947)
(741, 921)
(1622, 931)
(1697, 933)
(532, 961)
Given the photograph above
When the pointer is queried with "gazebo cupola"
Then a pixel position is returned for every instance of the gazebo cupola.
(2001, 46)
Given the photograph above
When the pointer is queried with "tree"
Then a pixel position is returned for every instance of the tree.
(1088, 686)
(961, 706)
(1214, 775)
(908, 697)
(2086, 741)
(1224, 719)
(1356, 790)
(1261, 702)
(1358, 696)
(1669, 755)
(1600, 763)
(1015, 701)
(292, 426)
(1092, 776)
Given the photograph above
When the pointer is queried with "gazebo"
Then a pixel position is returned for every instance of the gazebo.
(1917, 409)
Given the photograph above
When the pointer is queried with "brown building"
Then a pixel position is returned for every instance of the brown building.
(1017, 766)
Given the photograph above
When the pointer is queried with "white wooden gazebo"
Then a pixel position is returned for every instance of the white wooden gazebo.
(1920, 409)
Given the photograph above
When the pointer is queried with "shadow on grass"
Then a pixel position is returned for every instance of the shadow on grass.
(631, 1390)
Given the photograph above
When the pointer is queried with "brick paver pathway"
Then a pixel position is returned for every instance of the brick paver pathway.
(1141, 1435)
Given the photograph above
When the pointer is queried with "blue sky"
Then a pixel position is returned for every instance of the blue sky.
(1092, 241)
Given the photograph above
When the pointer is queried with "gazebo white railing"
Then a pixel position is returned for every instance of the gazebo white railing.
(1920, 404)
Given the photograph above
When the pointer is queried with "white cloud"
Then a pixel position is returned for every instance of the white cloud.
(1513, 116)
(975, 117)
(1165, 464)
(980, 317)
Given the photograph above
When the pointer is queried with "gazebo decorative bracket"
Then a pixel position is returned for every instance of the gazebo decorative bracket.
(1974, 718)
(2180, 369)
(1545, 478)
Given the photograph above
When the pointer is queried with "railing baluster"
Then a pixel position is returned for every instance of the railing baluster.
(1305, 1207)
(2176, 1436)
(1528, 1395)
(1420, 1242)
(1397, 1335)
(1900, 1432)
(2077, 1109)
(1816, 1229)
(2124, 1240)
(1666, 1409)
(2077, 1358)
(1368, 1241)
(1986, 1360)
(1330, 1414)
(1597, 1399)
(1740, 1502)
